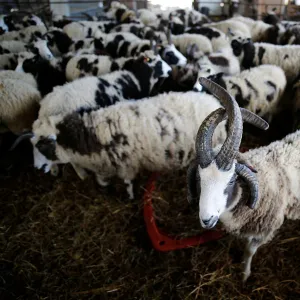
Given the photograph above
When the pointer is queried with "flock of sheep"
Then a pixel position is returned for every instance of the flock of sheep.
(72, 88)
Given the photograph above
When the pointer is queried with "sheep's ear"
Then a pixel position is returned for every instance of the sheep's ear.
(193, 183)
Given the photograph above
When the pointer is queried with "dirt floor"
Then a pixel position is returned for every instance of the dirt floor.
(63, 238)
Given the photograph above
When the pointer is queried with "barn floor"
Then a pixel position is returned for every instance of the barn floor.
(63, 238)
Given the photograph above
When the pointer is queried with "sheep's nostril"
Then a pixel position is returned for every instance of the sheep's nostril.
(206, 222)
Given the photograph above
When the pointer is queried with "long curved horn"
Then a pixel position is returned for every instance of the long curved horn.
(204, 150)
(225, 157)
(25, 136)
(204, 136)
(193, 182)
(252, 182)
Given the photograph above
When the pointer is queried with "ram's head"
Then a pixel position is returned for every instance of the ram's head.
(212, 175)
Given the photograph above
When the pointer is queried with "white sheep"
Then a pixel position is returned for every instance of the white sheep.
(250, 193)
(258, 89)
(27, 78)
(8, 61)
(19, 104)
(236, 28)
(12, 47)
(112, 142)
(184, 42)
(83, 29)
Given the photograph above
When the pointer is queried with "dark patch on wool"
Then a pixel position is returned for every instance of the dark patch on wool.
(83, 64)
(249, 54)
(114, 67)
(46, 75)
(170, 57)
(143, 73)
(95, 71)
(271, 96)
(74, 135)
(98, 44)
(79, 45)
(22, 35)
(47, 147)
(133, 50)
(261, 52)
(145, 48)
(251, 87)
(168, 154)
(123, 49)
(239, 95)
(180, 156)
(206, 31)
(286, 56)
(62, 41)
(119, 14)
(89, 33)
(219, 60)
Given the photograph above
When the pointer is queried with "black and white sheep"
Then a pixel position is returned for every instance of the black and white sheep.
(112, 142)
(250, 193)
(258, 89)
(25, 35)
(93, 65)
(48, 73)
(8, 61)
(236, 28)
(254, 54)
(135, 81)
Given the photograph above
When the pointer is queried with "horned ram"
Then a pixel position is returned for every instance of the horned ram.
(251, 193)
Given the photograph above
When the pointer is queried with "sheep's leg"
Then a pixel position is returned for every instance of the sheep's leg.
(82, 174)
(54, 170)
(250, 249)
(129, 188)
(101, 181)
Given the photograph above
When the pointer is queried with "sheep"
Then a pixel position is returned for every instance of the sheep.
(12, 47)
(237, 28)
(218, 39)
(48, 73)
(265, 179)
(114, 141)
(39, 47)
(83, 29)
(29, 20)
(121, 13)
(60, 43)
(25, 35)
(254, 54)
(258, 89)
(127, 45)
(262, 32)
(93, 65)
(27, 78)
(141, 31)
(190, 17)
(291, 36)
(147, 17)
(8, 61)
(270, 17)
(223, 61)
(184, 42)
(19, 104)
(135, 81)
